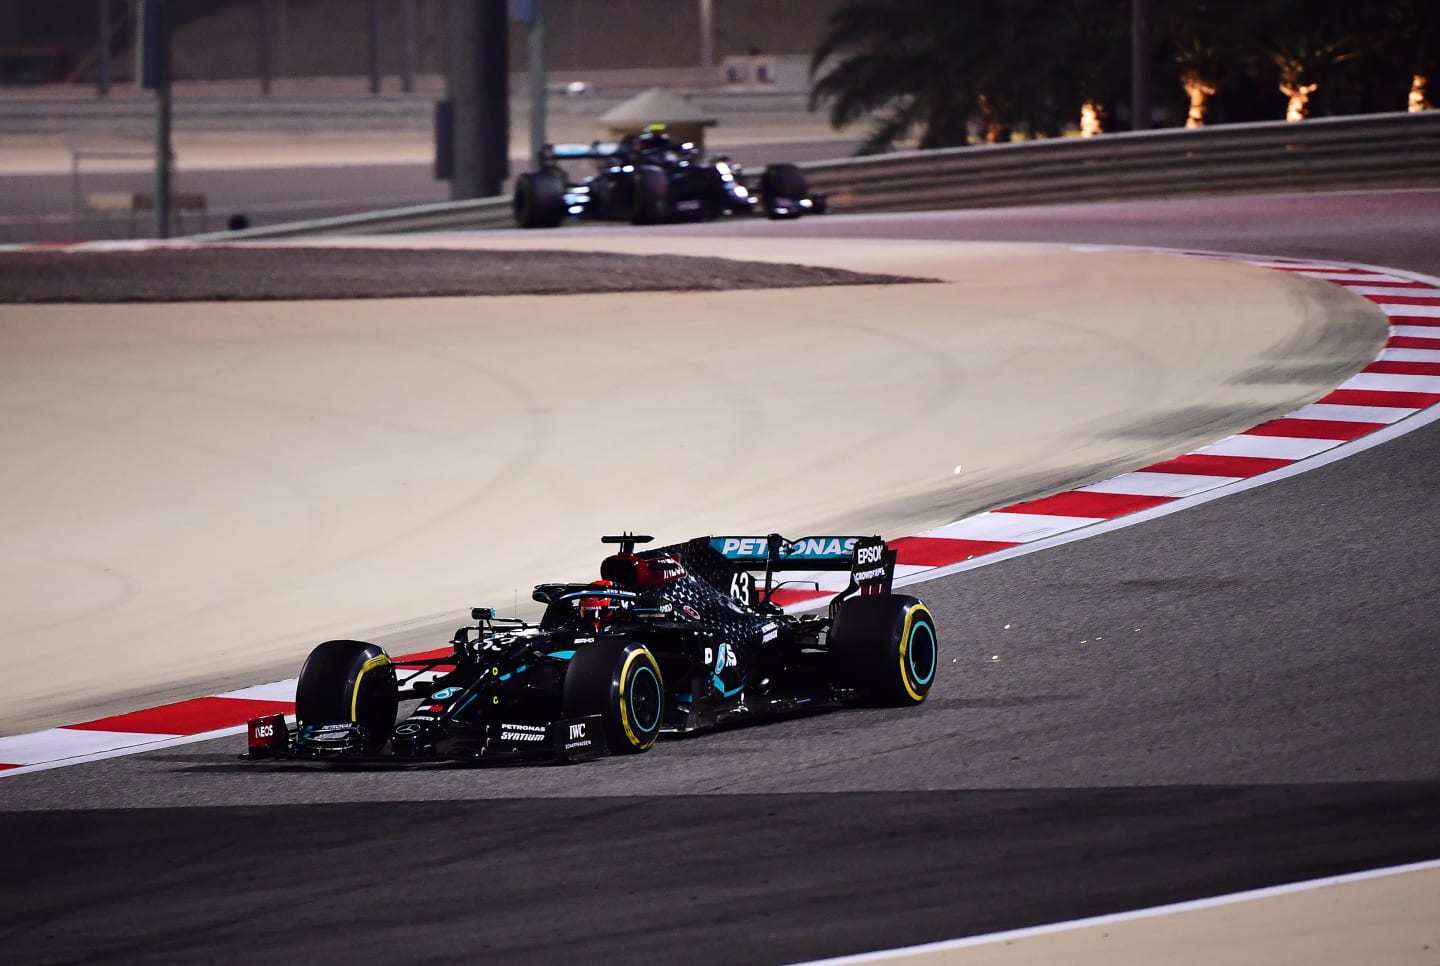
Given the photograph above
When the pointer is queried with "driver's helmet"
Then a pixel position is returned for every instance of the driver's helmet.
(653, 140)
(599, 610)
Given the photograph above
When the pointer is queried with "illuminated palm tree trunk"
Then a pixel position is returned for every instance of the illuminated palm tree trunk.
(1199, 91)
(1299, 106)
(995, 119)
(1418, 100)
(1200, 76)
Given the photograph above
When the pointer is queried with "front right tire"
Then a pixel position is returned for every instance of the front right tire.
(539, 200)
(651, 199)
(349, 681)
(782, 186)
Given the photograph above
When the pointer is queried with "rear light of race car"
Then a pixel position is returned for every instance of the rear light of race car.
(268, 734)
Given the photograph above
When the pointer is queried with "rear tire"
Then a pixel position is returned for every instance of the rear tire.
(781, 188)
(886, 647)
(620, 681)
(539, 200)
(346, 681)
(651, 187)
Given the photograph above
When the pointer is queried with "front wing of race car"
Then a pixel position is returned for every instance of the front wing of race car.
(566, 741)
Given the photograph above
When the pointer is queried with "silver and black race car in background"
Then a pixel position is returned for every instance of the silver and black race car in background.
(648, 179)
(670, 640)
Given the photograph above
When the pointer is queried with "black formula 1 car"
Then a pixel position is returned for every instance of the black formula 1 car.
(647, 179)
(670, 640)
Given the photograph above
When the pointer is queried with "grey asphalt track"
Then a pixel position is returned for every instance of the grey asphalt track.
(1242, 694)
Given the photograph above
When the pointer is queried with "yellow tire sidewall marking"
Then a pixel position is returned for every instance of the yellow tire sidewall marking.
(379, 660)
(634, 655)
(905, 649)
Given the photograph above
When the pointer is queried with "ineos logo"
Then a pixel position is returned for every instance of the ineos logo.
(265, 731)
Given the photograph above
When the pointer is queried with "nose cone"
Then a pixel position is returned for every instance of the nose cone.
(414, 739)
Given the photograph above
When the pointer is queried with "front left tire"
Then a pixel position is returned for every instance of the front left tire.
(539, 200)
(620, 681)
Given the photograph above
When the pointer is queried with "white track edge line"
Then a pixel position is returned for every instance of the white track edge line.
(1150, 912)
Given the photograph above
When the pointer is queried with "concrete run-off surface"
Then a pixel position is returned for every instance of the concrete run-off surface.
(1380, 920)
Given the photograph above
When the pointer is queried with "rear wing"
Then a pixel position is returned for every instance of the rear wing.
(552, 153)
(869, 560)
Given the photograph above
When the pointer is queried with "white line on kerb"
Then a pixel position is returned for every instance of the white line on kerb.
(140, 747)
(1119, 917)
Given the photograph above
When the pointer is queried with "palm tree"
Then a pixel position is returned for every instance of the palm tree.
(896, 68)
(1092, 57)
(1411, 42)
(1200, 76)
(1209, 42)
(1299, 58)
(922, 69)
(1307, 39)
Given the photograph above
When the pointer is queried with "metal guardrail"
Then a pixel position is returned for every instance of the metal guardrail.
(1376, 150)
(440, 216)
(1366, 151)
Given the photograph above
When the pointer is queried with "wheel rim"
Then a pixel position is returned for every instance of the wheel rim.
(922, 653)
(645, 699)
